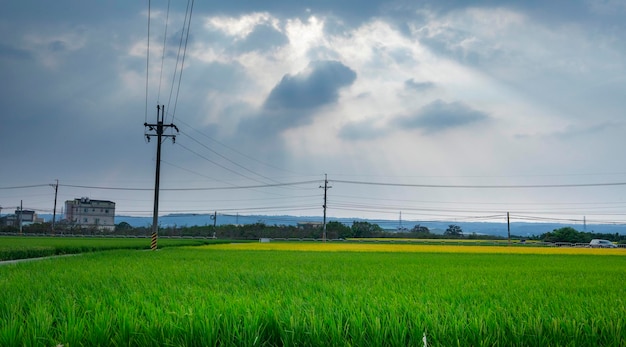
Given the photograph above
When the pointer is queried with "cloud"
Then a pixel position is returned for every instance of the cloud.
(362, 131)
(7, 51)
(293, 103)
(411, 84)
(258, 31)
(571, 132)
(317, 87)
(441, 116)
(262, 38)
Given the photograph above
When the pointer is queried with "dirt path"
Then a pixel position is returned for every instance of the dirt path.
(15, 261)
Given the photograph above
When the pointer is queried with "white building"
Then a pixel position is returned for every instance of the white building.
(87, 213)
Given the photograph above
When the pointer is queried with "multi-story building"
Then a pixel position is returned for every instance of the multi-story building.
(88, 213)
(21, 217)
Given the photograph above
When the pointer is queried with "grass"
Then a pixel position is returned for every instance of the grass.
(15, 247)
(218, 295)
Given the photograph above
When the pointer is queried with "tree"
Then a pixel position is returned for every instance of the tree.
(567, 234)
(420, 229)
(365, 229)
(336, 230)
(453, 231)
(123, 226)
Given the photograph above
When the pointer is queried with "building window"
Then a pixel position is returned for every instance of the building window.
(84, 220)
(106, 211)
(85, 210)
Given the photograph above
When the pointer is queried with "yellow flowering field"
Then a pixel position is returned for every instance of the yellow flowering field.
(420, 248)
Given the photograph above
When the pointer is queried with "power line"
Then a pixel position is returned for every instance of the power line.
(236, 151)
(220, 165)
(195, 188)
(187, 22)
(482, 186)
(24, 187)
(147, 64)
(167, 16)
(225, 158)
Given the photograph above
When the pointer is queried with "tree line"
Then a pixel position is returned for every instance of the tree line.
(334, 230)
(569, 234)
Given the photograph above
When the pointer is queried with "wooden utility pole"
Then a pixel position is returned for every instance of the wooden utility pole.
(326, 186)
(159, 127)
(54, 211)
(21, 216)
(508, 226)
(214, 218)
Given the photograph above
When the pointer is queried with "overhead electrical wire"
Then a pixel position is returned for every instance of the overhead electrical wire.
(236, 151)
(481, 186)
(225, 158)
(147, 65)
(220, 165)
(24, 187)
(167, 16)
(185, 33)
(230, 161)
(194, 188)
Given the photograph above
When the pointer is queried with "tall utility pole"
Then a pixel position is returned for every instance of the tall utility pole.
(54, 212)
(214, 218)
(158, 128)
(326, 186)
(508, 226)
(21, 215)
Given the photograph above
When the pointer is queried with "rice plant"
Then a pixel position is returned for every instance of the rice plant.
(211, 296)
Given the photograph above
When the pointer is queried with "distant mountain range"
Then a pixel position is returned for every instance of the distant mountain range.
(487, 228)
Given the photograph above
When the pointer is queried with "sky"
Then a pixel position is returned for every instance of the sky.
(420, 110)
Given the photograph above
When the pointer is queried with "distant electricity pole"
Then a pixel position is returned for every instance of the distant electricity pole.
(21, 215)
(54, 212)
(214, 218)
(508, 226)
(158, 128)
(326, 187)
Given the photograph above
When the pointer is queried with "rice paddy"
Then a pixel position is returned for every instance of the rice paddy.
(314, 294)
(15, 247)
(412, 248)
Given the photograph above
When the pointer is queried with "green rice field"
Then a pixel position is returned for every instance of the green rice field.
(221, 296)
(15, 247)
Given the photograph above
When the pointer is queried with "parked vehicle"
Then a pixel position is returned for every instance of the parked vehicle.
(598, 243)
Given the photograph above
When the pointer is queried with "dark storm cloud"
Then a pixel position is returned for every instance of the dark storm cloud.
(440, 116)
(411, 84)
(293, 102)
(310, 90)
